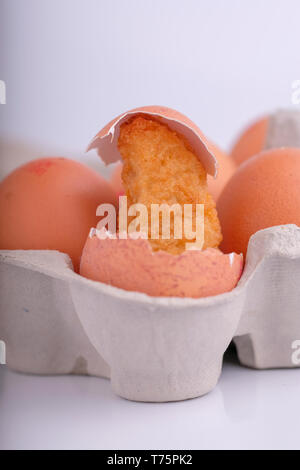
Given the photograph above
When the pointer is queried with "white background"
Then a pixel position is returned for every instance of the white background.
(72, 65)
(69, 67)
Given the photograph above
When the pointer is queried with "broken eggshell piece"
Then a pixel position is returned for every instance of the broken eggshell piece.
(130, 264)
(106, 141)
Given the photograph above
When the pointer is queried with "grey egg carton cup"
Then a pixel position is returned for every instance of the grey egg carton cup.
(54, 321)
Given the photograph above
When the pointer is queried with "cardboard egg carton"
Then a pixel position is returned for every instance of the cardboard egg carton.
(54, 321)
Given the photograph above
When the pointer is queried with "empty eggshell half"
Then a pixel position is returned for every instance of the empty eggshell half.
(131, 264)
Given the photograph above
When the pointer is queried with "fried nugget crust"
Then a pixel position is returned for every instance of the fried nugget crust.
(160, 167)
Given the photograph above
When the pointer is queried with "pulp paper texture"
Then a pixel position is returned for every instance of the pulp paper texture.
(38, 320)
(154, 349)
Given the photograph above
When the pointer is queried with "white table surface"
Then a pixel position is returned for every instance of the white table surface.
(249, 409)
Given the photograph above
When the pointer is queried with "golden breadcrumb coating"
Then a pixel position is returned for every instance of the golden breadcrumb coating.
(160, 167)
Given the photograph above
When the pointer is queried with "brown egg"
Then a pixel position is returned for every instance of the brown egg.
(251, 141)
(166, 160)
(264, 192)
(226, 168)
(50, 204)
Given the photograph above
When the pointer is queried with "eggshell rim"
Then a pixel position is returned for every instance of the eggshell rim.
(121, 292)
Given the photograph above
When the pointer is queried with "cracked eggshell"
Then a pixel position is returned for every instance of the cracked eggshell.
(131, 264)
(106, 141)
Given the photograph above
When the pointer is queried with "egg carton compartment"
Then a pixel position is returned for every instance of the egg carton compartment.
(54, 321)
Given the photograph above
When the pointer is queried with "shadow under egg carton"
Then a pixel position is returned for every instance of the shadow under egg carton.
(54, 321)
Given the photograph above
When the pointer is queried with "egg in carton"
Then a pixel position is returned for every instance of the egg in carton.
(276, 130)
(153, 348)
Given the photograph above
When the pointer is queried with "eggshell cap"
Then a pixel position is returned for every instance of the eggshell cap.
(131, 264)
(106, 141)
